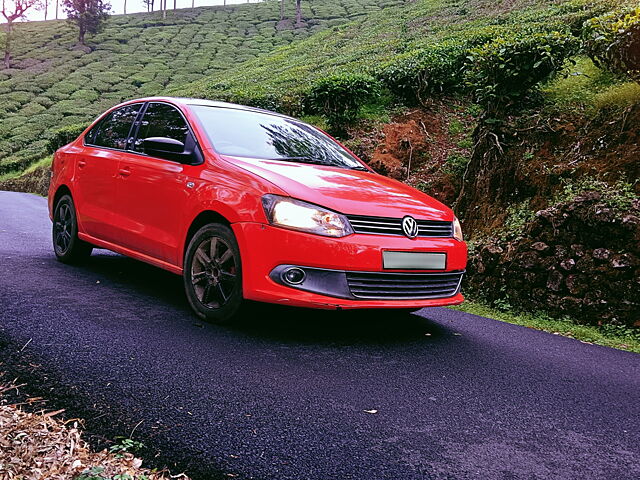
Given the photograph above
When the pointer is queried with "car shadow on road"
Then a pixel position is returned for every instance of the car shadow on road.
(299, 325)
(267, 321)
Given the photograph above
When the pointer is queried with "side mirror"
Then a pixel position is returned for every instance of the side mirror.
(160, 146)
(174, 150)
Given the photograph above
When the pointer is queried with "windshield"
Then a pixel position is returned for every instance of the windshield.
(243, 133)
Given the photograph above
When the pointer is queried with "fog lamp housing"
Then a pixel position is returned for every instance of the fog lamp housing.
(293, 276)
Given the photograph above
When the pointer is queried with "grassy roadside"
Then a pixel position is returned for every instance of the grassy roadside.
(608, 336)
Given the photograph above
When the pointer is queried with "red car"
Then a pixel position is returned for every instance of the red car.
(247, 204)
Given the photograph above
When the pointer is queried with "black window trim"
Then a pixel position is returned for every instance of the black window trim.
(135, 127)
(104, 118)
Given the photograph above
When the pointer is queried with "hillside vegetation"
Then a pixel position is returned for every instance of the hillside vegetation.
(53, 83)
(416, 49)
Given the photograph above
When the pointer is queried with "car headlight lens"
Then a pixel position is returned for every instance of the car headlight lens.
(457, 229)
(298, 215)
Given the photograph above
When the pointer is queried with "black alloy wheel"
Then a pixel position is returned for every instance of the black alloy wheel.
(213, 274)
(66, 244)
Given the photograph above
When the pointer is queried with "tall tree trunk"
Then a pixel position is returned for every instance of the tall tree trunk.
(164, 9)
(7, 45)
(46, 8)
(125, 7)
(281, 9)
(298, 12)
(193, 4)
(175, 4)
(81, 34)
(57, 1)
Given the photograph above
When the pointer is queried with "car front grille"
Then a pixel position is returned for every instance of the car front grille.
(393, 226)
(385, 286)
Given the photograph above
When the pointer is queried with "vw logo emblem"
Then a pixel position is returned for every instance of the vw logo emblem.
(410, 227)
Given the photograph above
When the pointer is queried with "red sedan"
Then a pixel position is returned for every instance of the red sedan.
(247, 204)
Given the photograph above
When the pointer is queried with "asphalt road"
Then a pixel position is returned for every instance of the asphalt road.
(285, 395)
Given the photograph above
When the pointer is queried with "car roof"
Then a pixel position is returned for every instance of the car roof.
(206, 103)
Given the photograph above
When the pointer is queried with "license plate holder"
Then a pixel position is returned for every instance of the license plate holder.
(414, 260)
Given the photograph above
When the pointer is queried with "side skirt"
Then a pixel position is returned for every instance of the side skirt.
(130, 253)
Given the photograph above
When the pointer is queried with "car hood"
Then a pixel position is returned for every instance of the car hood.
(351, 192)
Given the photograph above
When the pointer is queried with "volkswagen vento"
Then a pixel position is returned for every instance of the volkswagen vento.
(248, 204)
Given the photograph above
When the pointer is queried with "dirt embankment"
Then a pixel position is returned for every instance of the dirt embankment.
(419, 147)
(577, 257)
(36, 181)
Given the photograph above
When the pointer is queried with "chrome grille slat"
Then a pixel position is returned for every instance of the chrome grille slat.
(363, 286)
(385, 285)
(393, 226)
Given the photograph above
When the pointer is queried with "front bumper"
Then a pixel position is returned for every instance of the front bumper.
(267, 250)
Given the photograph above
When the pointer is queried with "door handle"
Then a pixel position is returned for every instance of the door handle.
(81, 163)
(125, 171)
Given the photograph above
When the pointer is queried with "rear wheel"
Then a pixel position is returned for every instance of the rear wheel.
(213, 274)
(66, 244)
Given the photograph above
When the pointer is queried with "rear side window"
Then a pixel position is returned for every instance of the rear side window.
(161, 120)
(114, 130)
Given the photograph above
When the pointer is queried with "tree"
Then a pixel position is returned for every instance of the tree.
(13, 10)
(88, 15)
(281, 9)
(298, 12)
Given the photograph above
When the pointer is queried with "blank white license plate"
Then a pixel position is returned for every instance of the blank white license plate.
(414, 260)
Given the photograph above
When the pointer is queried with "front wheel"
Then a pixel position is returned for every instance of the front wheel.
(213, 274)
(66, 244)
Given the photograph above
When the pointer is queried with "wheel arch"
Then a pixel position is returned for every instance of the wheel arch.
(203, 218)
(62, 190)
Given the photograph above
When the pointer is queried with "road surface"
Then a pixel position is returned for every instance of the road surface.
(290, 394)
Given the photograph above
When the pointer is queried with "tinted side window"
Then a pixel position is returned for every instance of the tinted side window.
(161, 120)
(113, 131)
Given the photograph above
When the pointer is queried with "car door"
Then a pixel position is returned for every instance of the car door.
(153, 192)
(96, 170)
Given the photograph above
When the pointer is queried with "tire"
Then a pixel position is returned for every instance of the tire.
(66, 244)
(213, 281)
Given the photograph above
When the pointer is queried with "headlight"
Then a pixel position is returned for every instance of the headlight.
(457, 229)
(298, 215)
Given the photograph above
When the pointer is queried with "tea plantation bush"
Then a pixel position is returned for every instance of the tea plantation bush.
(613, 41)
(340, 97)
(417, 50)
(64, 135)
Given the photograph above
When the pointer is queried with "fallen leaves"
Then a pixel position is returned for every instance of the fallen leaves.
(39, 445)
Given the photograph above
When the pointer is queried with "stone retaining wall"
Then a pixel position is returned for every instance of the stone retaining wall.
(580, 258)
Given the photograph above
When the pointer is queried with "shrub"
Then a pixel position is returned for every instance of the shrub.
(419, 73)
(339, 97)
(503, 72)
(613, 42)
(62, 136)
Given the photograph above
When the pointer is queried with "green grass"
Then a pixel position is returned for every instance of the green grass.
(52, 83)
(585, 88)
(608, 336)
